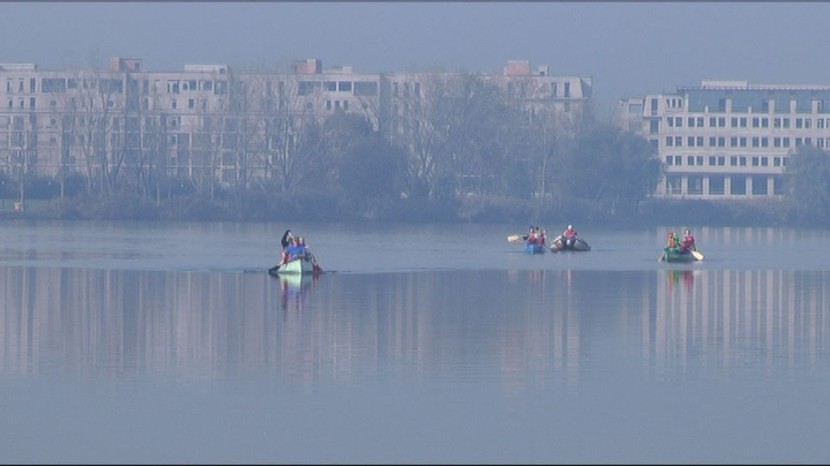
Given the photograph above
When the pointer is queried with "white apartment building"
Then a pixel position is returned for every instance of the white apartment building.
(728, 139)
(209, 120)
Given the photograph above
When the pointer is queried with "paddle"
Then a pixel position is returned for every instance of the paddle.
(662, 256)
(516, 238)
(698, 256)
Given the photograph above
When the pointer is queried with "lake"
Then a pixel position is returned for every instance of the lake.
(130, 342)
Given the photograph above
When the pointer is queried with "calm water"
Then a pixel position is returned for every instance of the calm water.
(136, 342)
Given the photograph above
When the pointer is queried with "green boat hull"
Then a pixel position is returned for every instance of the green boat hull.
(674, 256)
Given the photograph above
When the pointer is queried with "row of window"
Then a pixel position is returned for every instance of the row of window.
(720, 160)
(719, 185)
(744, 141)
(747, 122)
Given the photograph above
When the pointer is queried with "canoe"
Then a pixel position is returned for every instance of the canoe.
(531, 248)
(299, 266)
(675, 256)
(558, 244)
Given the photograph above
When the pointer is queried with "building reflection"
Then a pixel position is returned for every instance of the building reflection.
(772, 314)
(515, 326)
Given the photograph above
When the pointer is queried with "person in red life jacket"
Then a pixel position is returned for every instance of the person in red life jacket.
(672, 243)
(569, 236)
(688, 242)
(533, 235)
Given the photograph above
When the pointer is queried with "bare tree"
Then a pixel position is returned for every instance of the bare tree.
(96, 110)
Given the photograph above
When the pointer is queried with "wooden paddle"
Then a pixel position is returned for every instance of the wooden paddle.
(662, 256)
(698, 256)
(515, 239)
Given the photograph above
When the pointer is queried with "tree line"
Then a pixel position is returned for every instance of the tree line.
(467, 152)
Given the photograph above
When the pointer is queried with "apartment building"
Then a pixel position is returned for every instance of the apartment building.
(728, 139)
(209, 120)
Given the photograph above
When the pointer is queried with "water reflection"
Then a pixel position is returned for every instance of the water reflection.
(676, 278)
(515, 327)
(295, 290)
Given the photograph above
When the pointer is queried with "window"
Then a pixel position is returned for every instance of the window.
(678, 141)
(690, 160)
(670, 122)
(716, 185)
(49, 85)
(764, 122)
(699, 160)
(330, 86)
(669, 160)
(713, 141)
(669, 141)
(738, 185)
(694, 184)
(721, 160)
(365, 88)
(699, 141)
(759, 185)
(721, 141)
(673, 184)
(756, 122)
(712, 159)
(307, 87)
(678, 160)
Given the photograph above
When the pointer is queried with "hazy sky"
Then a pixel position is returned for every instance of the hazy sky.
(629, 49)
